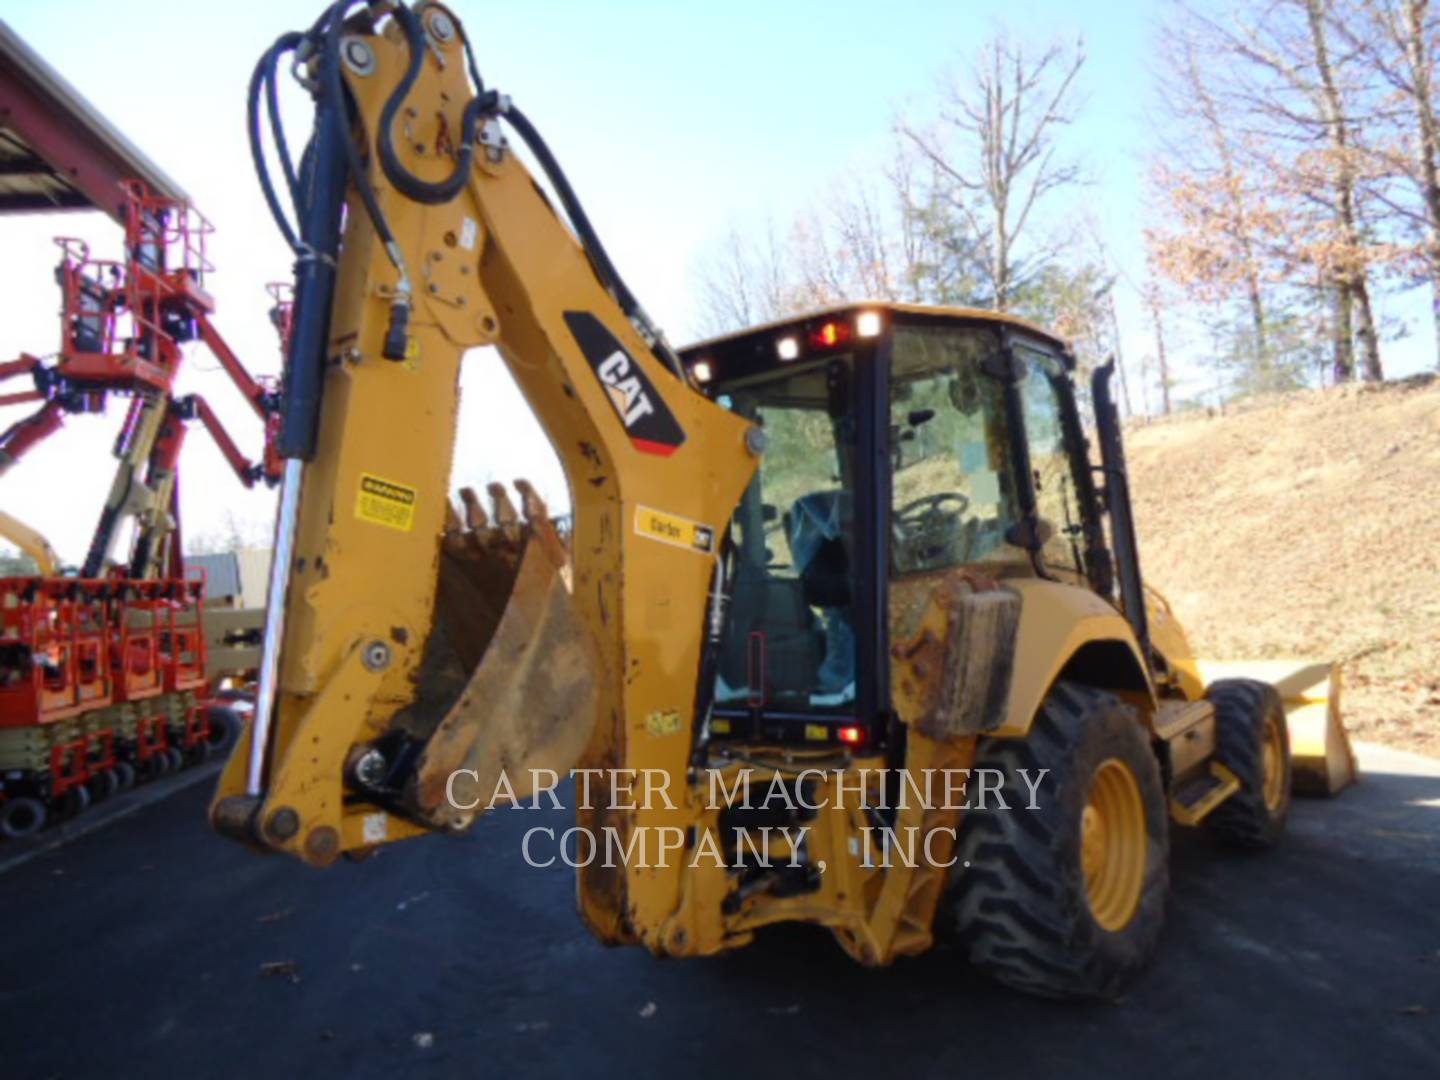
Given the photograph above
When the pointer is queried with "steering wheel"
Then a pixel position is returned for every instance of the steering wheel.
(924, 527)
(921, 513)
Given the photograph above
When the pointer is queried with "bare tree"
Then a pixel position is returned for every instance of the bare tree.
(845, 247)
(1397, 39)
(1150, 294)
(744, 282)
(1220, 209)
(1300, 102)
(995, 149)
(1099, 256)
(1352, 279)
(865, 239)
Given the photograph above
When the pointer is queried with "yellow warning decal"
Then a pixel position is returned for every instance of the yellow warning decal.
(384, 502)
(674, 529)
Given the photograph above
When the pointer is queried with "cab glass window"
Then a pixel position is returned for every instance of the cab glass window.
(1057, 507)
(951, 487)
(790, 639)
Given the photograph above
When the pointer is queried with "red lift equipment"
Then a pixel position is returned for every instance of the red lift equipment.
(102, 674)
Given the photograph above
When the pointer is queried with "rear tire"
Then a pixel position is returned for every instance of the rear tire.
(125, 775)
(1031, 902)
(1252, 741)
(21, 816)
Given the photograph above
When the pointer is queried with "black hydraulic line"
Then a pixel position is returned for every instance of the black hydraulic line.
(318, 194)
(325, 38)
(262, 78)
(1117, 501)
(287, 43)
(397, 335)
(335, 86)
(589, 239)
(406, 182)
(322, 197)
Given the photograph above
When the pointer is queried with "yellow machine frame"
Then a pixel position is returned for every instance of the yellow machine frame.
(496, 266)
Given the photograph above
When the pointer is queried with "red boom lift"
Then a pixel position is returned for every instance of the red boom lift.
(102, 673)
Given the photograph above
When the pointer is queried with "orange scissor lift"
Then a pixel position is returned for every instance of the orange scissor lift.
(103, 672)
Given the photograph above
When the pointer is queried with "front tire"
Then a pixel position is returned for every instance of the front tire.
(1065, 900)
(1252, 740)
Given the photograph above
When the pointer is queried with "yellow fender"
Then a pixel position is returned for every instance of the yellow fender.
(1056, 622)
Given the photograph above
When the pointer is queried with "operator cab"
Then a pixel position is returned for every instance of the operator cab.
(902, 443)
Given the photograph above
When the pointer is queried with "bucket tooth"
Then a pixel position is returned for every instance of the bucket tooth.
(531, 504)
(475, 516)
(505, 514)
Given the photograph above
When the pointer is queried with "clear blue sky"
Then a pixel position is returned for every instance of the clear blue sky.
(672, 120)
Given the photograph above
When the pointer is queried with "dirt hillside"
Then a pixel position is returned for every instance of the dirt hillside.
(1307, 525)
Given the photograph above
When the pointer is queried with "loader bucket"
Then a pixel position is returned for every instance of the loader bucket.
(518, 660)
(1323, 761)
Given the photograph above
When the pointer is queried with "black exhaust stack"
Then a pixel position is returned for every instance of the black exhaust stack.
(1117, 502)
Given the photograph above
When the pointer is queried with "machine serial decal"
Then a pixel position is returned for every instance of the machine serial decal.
(648, 421)
(384, 502)
(675, 530)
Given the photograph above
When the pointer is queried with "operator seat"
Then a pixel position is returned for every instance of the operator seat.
(818, 525)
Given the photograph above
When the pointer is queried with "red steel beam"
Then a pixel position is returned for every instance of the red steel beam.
(61, 127)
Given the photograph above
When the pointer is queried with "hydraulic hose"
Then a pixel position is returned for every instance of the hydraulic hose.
(406, 182)
(262, 82)
(589, 239)
(325, 37)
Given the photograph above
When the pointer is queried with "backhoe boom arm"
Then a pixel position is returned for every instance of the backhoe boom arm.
(603, 669)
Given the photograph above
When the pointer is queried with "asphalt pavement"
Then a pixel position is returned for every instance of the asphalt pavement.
(152, 947)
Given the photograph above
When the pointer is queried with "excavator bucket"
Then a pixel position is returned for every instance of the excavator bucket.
(1323, 761)
(514, 666)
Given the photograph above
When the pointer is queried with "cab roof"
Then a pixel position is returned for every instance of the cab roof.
(966, 314)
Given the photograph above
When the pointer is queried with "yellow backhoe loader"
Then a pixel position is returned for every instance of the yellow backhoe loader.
(848, 629)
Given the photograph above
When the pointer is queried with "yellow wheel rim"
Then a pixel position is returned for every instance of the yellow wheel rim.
(1113, 843)
(1273, 758)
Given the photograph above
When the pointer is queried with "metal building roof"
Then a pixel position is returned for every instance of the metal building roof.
(57, 152)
